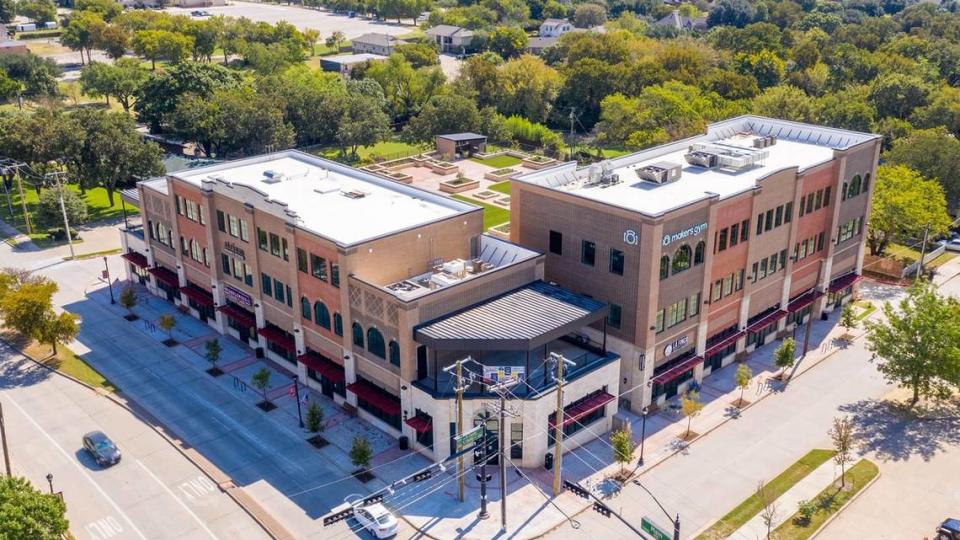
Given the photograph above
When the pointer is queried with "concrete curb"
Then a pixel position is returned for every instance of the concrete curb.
(846, 504)
(266, 522)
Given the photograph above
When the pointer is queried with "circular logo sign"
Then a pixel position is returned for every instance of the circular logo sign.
(630, 237)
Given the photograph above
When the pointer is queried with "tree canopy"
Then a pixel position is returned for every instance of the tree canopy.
(904, 203)
(26, 512)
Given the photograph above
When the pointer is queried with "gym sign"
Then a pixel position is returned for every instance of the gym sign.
(696, 230)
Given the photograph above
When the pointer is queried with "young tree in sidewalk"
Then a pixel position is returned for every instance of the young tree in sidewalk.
(783, 357)
(847, 318)
(842, 436)
(29, 513)
(314, 419)
(128, 300)
(167, 324)
(212, 350)
(27, 308)
(690, 405)
(917, 342)
(59, 328)
(769, 511)
(361, 453)
(622, 447)
(261, 381)
(743, 377)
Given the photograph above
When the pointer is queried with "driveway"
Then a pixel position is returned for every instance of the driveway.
(154, 492)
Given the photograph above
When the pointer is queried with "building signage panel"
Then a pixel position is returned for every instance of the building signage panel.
(696, 230)
(495, 374)
(237, 296)
(469, 437)
(230, 247)
(630, 237)
(676, 345)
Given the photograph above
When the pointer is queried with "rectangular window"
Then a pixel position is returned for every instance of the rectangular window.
(588, 252)
(802, 206)
(237, 269)
(768, 221)
(778, 220)
(301, 260)
(221, 222)
(556, 243)
(278, 290)
(738, 280)
(728, 285)
(262, 239)
(760, 224)
(820, 241)
(234, 227)
(318, 267)
(180, 205)
(745, 230)
(225, 263)
(659, 321)
(783, 258)
(722, 242)
(614, 315)
(819, 200)
(803, 250)
(191, 210)
(754, 272)
(763, 269)
(788, 212)
(289, 297)
(266, 283)
(248, 274)
(203, 215)
(274, 245)
(286, 251)
(693, 305)
(616, 262)
(810, 203)
(773, 264)
(717, 290)
(826, 197)
(244, 233)
(335, 275)
(734, 234)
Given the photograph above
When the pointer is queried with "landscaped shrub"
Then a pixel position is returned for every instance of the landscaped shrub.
(524, 130)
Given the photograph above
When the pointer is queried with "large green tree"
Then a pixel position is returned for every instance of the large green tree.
(527, 87)
(158, 97)
(917, 342)
(27, 308)
(904, 203)
(26, 512)
(507, 41)
(443, 114)
(121, 80)
(38, 11)
(933, 153)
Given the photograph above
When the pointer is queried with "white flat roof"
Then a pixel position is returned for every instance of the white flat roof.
(333, 200)
(797, 145)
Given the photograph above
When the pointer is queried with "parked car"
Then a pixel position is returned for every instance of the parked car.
(101, 448)
(953, 244)
(949, 530)
(376, 519)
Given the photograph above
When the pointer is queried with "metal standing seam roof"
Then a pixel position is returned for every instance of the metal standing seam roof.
(524, 318)
(460, 137)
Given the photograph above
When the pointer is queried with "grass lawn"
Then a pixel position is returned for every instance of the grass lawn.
(752, 505)
(498, 162)
(385, 149)
(829, 502)
(501, 187)
(65, 361)
(492, 215)
(909, 255)
(864, 309)
(98, 209)
(615, 152)
(46, 47)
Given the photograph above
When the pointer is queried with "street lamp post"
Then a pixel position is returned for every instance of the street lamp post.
(50, 481)
(643, 433)
(106, 272)
(296, 395)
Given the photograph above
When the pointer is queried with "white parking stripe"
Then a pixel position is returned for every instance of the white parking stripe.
(180, 502)
(78, 467)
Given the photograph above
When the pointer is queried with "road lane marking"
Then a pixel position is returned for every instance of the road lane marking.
(104, 528)
(179, 501)
(196, 488)
(79, 468)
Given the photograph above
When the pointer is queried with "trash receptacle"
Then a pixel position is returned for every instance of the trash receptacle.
(548, 461)
(404, 442)
(258, 352)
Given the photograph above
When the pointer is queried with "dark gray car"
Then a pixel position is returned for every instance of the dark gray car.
(101, 448)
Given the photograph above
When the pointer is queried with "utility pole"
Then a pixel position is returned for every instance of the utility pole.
(483, 473)
(558, 423)
(23, 200)
(923, 250)
(459, 389)
(501, 389)
(63, 208)
(3, 441)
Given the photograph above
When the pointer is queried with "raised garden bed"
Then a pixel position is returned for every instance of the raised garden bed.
(499, 175)
(501, 231)
(458, 185)
(484, 195)
(398, 176)
(442, 167)
(538, 162)
(363, 475)
(215, 372)
(266, 406)
(317, 441)
(503, 201)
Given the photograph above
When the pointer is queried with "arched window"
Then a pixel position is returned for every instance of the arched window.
(854, 187)
(357, 335)
(866, 182)
(698, 253)
(337, 324)
(305, 307)
(394, 353)
(681, 259)
(321, 315)
(375, 343)
(664, 266)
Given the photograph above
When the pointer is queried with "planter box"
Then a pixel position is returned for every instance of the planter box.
(452, 186)
(442, 167)
(501, 231)
(537, 164)
(499, 175)
(398, 176)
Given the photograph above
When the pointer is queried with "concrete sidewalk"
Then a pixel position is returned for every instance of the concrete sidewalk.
(805, 490)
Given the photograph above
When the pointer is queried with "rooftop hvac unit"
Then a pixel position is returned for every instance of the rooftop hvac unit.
(660, 173)
(456, 267)
(700, 158)
(354, 194)
(326, 186)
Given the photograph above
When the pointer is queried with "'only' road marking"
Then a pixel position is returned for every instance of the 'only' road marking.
(180, 502)
(196, 488)
(104, 528)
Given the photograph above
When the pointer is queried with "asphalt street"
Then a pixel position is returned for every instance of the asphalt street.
(154, 492)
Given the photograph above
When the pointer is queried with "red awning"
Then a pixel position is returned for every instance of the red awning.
(376, 397)
(420, 424)
(240, 315)
(198, 295)
(279, 338)
(844, 281)
(165, 276)
(767, 321)
(330, 371)
(677, 370)
(803, 301)
(136, 259)
(576, 411)
(723, 344)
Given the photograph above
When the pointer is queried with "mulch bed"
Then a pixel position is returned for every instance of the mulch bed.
(215, 372)
(131, 317)
(689, 436)
(740, 403)
(363, 475)
(266, 406)
(170, 342)
(317, 441)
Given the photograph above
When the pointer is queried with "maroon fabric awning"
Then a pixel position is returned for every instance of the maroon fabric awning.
(198, 295)
(420, 424)
(376, 397)
(677, 370)
(844, 281)
(330, 371)
(723, 344)
(576, 411)
(136, 259)
(803, 301)
(279, 338)
(240, 315)
(767, 321)
(166, 276)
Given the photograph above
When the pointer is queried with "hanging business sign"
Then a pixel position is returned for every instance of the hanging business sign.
(696, 230)
(238, 297)
(676, 345)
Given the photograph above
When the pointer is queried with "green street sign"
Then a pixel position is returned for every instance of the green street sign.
(648, 527)
(469, 437)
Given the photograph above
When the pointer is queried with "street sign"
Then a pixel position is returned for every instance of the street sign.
(656, 532)
(469, 437)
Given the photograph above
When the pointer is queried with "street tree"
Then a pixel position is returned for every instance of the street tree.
(361, 453)
(917, 342)
(784, 356)
(80, 31)
(622, 446)
(113, 39)
(128, 300)
(107, 9)
(27, 308)
(58, 328)
(121, 80)
(38, 76)
(848, 320)
(314, 420)
(27, 512)
(261, 381)
(690, 405)
(743, 376)
(212, 351)
(904, 204)
(933, 153)
(312, 36)
(842, 437)
(768, 507)
(167, 323)
(49, 213)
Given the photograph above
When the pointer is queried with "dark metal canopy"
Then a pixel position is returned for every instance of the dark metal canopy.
(520, 320)
(462, 137)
